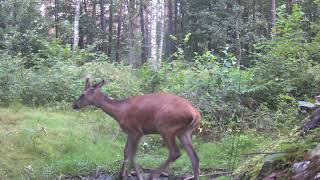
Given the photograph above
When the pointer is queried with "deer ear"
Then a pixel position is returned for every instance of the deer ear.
(100, 84)
(88, 83)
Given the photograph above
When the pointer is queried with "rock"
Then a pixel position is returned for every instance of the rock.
(313, 123)
(317, 177)
(304, 104)
(269, 163)
(315, 151)
(300, 166)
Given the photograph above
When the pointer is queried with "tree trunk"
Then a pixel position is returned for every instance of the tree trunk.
(133, 46)
(142, 27)
(93, 18)
(85, 9)
(153, 35)
(289, 6)
(93, 15)
(110, 28)
(183, 16)
(176, 18)
(254, 11)
(147, 10)
(76, 24)
(170, 44)
(103, 25)
(102, 15)
(56, 17)
(272, 15)
(161, 24)
(238, 40)
(120, 14)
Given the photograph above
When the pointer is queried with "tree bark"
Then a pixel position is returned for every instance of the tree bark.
(93, 15)
(153, 35)
(76, 24)
(133, 46)
(119, 23)
(93, 18)
(56, 17)
(272, 15)
(142, 28)
(254, 11)
(110, 28)
(170, 43)
(161, 24)
(289, 6)
(147, 10)
(85, 6)
(176, 18)
(102, 15)
(103, 24)
(238, 40)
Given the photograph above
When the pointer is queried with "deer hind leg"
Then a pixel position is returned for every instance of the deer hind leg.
(129, 156)
(174, 154)
(186, 140)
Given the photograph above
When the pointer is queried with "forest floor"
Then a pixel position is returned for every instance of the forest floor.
(42, 143)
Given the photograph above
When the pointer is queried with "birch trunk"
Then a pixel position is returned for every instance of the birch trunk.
(76, 24)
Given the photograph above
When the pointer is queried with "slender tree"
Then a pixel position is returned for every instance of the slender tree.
(102, 15)
(176, 18)
(272, 15)
(238, 40)
(143, 35)
(289, 6)
(119, 24)
(153, 35)
(76, 24)
(170, 45)
(93, 18)
(103, 24)
(147, 10)
(161, 30)
(110, 28)
(56, 17)
(132, 39)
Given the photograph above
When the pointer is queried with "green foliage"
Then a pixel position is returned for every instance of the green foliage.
(57, 75)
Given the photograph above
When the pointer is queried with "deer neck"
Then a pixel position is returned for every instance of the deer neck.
(110, 106)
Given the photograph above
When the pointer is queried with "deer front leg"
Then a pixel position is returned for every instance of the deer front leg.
(124, 169)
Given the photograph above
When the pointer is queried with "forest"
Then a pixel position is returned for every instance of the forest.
(250, 67)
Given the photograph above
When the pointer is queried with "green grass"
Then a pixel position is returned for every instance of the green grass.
(39, 143)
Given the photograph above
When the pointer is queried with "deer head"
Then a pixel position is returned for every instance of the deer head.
(90, 94)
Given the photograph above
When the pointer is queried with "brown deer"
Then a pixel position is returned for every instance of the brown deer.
(158, 113)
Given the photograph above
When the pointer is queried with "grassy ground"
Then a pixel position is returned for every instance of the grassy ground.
(39, 143)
